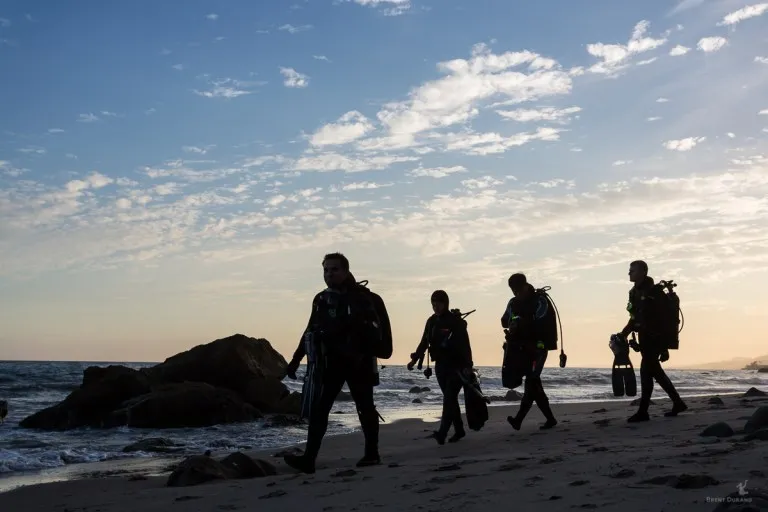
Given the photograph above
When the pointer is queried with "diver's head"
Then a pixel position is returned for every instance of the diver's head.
(638, 270)
(440, 302)
(335, 270)
(518, 283)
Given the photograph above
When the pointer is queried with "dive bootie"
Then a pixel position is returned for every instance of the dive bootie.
(638, 417)
(301, 463)
(677, 408)
(370, 459)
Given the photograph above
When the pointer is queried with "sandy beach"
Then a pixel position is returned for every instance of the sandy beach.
(593, 459)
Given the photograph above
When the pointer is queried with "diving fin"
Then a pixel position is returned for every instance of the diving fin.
(617, 379)
(630, 381)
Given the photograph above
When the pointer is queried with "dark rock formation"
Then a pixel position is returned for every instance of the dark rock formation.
(758, 420)
(232, 379)
(720, 429)
(199, 469)
(153, 444)
(752, 392)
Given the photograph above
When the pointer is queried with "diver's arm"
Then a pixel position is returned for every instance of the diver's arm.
(507, 313)
(301, 349)
(423, 344)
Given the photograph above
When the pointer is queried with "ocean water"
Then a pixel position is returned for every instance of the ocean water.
(31, 386)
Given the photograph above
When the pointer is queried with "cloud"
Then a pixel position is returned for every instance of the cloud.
(5, 23)
(763, 112)
(761, 60)
(686, 144)
(228, 88)
(745, 13)
(349, 127)
(294, 29)
(364, 185)
(180, 170)
(55, 130)
(33, 150)
(167, 189)
(197, 150)
(492, 143)
(562, 115)
(329, 162)
(87, 118)
(390, 7)
(293, 78)
(212, 16)
(615, 57)
(662, 100)
(123, 203)
(178, 67)
(619, 163)
(8, 169)
(653, 118)
(321, 57)
(711, 44)
(454, 99)
(436, 172)
(679, 50)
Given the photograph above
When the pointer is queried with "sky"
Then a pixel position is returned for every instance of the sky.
(173, 174)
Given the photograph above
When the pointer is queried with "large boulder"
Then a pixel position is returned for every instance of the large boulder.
(235, 363)
(186, 404)
(228, 380)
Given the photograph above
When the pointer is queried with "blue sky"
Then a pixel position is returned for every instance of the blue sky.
(172, 174)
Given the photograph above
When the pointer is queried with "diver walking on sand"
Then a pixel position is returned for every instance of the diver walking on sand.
(655, 319)
(343, 337)
(525, 323)
(446, 338)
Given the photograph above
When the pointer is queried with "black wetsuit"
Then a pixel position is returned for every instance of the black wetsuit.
(525, 344)
(645, 318)
(447, 339)
(341, 346)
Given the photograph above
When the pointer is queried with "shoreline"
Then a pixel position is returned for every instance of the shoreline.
(422, 418)
(157, 464)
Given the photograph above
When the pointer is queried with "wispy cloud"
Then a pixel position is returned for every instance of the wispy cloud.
(436, 172)
(388, 7)
(212, 16)
(87, 118)
(228, 88)
(55, 130)
(321, 57)
(293, 78)
(543, 114)
(5, 23)
(685, 144)
(294, 29)
(615, 57)
(745, 13)
(198, 150)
